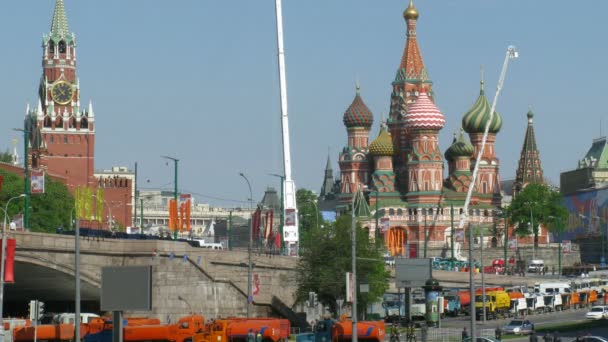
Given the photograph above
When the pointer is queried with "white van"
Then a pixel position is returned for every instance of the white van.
(68, 318)
(536, 266)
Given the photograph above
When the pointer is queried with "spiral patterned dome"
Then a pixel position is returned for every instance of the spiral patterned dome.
(474, 121)
(423, 114)
(357, 114)
(382, 145)
(460, 147)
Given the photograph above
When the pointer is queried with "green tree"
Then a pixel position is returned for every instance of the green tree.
(327, 257)
(309, 215)
(47, 212)
(537, 204)
(6, 157)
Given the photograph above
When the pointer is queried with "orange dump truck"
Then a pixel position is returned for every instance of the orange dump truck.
(49, 332)
(236, 329)
(338, 331)
(143, 329)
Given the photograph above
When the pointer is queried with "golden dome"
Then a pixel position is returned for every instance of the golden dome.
(410, 12)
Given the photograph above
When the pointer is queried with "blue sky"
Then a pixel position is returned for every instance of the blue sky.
(197, 79)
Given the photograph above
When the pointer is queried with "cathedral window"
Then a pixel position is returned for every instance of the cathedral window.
(391, 212)
(51, 48)
(47, 122)
(65, 140)
(84, 123)
(399, 212)
(62, 47)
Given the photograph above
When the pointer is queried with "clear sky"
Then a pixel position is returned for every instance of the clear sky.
(197, 79)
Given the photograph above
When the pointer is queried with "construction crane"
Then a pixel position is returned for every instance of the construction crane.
(290, 214)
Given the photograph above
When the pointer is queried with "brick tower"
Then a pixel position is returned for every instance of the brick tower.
(410, 78)
(65, 145)
(354, 162)
(529, 169)
(474, 122)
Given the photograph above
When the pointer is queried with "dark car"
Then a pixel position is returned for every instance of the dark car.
(519, 327)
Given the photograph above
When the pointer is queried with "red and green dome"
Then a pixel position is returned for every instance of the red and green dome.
(382, 145)
(460, 147)
(474, 121)
(357, 114)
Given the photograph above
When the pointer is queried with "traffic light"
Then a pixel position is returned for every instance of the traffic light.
(32, 310)
(39, 310)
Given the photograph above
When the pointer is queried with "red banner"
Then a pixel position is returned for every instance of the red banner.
(9, 262)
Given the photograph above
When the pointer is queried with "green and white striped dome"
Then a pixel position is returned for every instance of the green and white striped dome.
(474, 121)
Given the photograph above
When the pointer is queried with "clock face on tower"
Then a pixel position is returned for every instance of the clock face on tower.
(62, 92)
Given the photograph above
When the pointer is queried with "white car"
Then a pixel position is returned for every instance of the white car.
(597, 312)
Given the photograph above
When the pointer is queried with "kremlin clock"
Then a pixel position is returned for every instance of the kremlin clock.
(62, 92)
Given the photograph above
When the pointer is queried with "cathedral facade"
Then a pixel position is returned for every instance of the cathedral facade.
(402, 170)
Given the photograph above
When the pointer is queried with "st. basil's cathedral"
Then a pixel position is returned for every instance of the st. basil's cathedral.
(402, 169)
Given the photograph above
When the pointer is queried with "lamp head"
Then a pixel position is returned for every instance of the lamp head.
(512, 52)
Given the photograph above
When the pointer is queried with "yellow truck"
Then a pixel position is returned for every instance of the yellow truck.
(497, 303)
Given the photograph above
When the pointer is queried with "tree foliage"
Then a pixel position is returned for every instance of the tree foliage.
(538, 204)
(47, 211)
(6, 157)
(325, 257)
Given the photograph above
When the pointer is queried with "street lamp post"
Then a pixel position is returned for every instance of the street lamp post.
(353, 227)
(250, 266)
(559, 253)
(426, 235)
(175, 162)
(3, 261)
(26, 169)
(452, 235)
(377, 231)
(533, 232)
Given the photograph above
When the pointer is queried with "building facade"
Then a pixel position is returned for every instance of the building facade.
(403, 168)
(62, 130)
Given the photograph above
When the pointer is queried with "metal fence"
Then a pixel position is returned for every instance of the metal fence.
(443, 335)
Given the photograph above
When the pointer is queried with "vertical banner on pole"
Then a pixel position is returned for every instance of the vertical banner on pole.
(37, 181)
(350, 287)
(9, 261)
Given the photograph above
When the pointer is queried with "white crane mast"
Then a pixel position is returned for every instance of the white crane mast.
(511, 54)
(290, 227)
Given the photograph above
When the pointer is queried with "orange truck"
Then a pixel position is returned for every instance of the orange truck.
(143, 329)
(49, 332)
(236, 329)
(338, 331)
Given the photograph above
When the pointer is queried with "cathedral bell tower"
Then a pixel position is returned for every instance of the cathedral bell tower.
(62, 136)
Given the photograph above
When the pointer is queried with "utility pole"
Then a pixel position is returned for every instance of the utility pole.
(377, 235)
(175, 162)
(250, 266)
(26, 169)
(506, 242)
(425, 233)
(230, 230)
(135, 201)
(473, 314)
(353, 227)
(452, 235)
(483, 282)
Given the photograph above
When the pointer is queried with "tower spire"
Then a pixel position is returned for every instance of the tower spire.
(529, 169)
(59, 27)
(412, 66)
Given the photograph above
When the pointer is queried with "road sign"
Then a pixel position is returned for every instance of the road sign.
(412, 272)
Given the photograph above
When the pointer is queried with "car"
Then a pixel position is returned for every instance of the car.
(593, 339)
(519, 327)
(482, 339)
(389, 260)
(597, 312)
(536, 266)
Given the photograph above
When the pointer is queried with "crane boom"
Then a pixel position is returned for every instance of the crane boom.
(290, 228)
(511, 54)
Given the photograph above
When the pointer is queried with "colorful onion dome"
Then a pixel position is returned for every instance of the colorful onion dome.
(460, 147)
(423, 114)
(382, 145)
(474, 121)
(357, 114)
(410, 12)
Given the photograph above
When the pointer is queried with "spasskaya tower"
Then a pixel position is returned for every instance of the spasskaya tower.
(62, 133)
